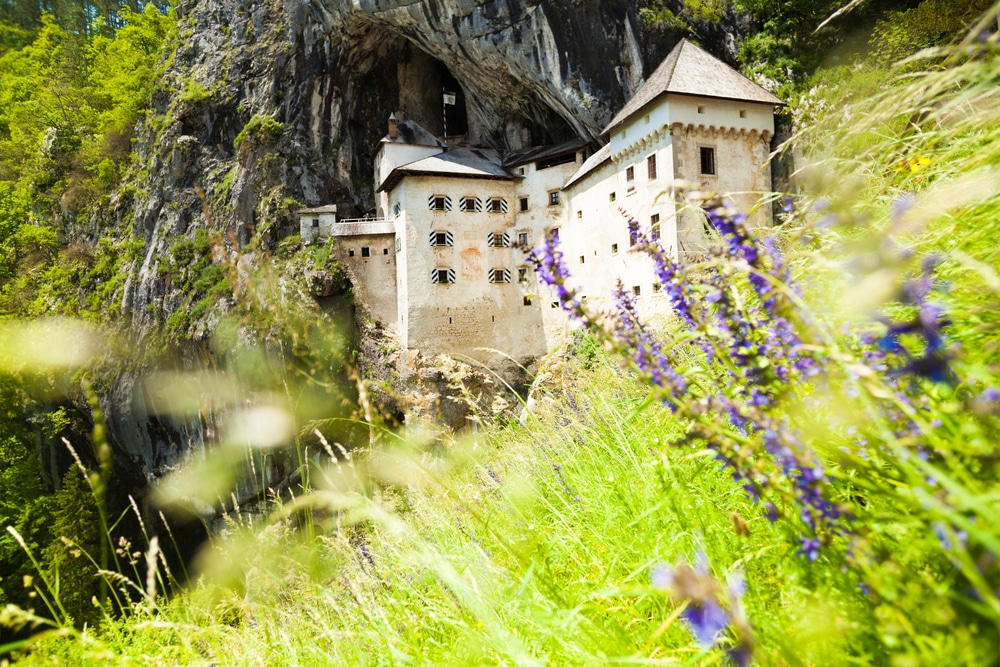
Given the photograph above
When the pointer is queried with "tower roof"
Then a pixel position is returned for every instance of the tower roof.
(690, 70)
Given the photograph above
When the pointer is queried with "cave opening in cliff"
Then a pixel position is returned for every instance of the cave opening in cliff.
(454, 115)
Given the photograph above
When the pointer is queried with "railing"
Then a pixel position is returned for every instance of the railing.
(352, 220)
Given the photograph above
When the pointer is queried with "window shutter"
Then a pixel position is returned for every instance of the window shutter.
(503, 206)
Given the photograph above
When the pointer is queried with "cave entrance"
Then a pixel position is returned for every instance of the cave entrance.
(455, 119)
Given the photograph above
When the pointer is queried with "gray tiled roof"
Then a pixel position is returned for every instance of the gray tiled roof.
(329, 208)
(461, 162)
(592, 163)
(690, 70)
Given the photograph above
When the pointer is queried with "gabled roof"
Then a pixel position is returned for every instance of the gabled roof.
(536, 153)
(328, 208)
(592, 163)
(690, 70)
(461, 162)
(409, 132)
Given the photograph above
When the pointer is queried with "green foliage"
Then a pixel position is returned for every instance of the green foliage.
(931, 23)
(74, 552)
(259, 130)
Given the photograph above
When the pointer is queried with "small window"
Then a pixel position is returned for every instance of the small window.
(582, 259)
(636, 290)
(554, 234)
(350, 252)
(499, 275)
(498, 240)
(555, 304)
(524, 203)
(654, 227)
(443, 276)
(612, 196)
(707, 160)
(554, 198)
(396, 209)
(579, 215)
(614, 248)
(522, 275)
(743, 113)
(315, 222)
(526, 301)
(469, 204)
(630, 178)
(633, 238)
(657, 287)
(399, 245)
(651, 167)
(438, 203)
(366, 251)
(497, 205)
(701, 109)
(522, 239)
(442, 239)
(520, 170)
(385, 251)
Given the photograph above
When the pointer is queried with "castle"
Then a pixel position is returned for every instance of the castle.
(440, 265)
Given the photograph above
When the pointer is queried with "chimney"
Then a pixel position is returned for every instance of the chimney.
(392, 126)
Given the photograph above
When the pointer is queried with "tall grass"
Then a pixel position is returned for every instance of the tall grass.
(616, 523)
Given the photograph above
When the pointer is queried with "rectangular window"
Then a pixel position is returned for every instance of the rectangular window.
(366, 251)
(707, 160)
(630, 178)
(522, 275)
(636, 290)
(442, 276)
(385, 251)
(701, 109)
(612, 196)
(633, 238)
(442, 239)
(350, 252)
(469, 204)
(499, 275)
(651, 167)
(497, 205)
(657, 287)
(554, 198)
(522, 239)
(439, 203)
(524, 203)
(614, 248)
(315, 222)
(555, 304)
(579, 215)
(554, 234)
(581, 259)
(526, 301)
(498, 240)
(654, 227)
(396, 209)
(743, 113)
